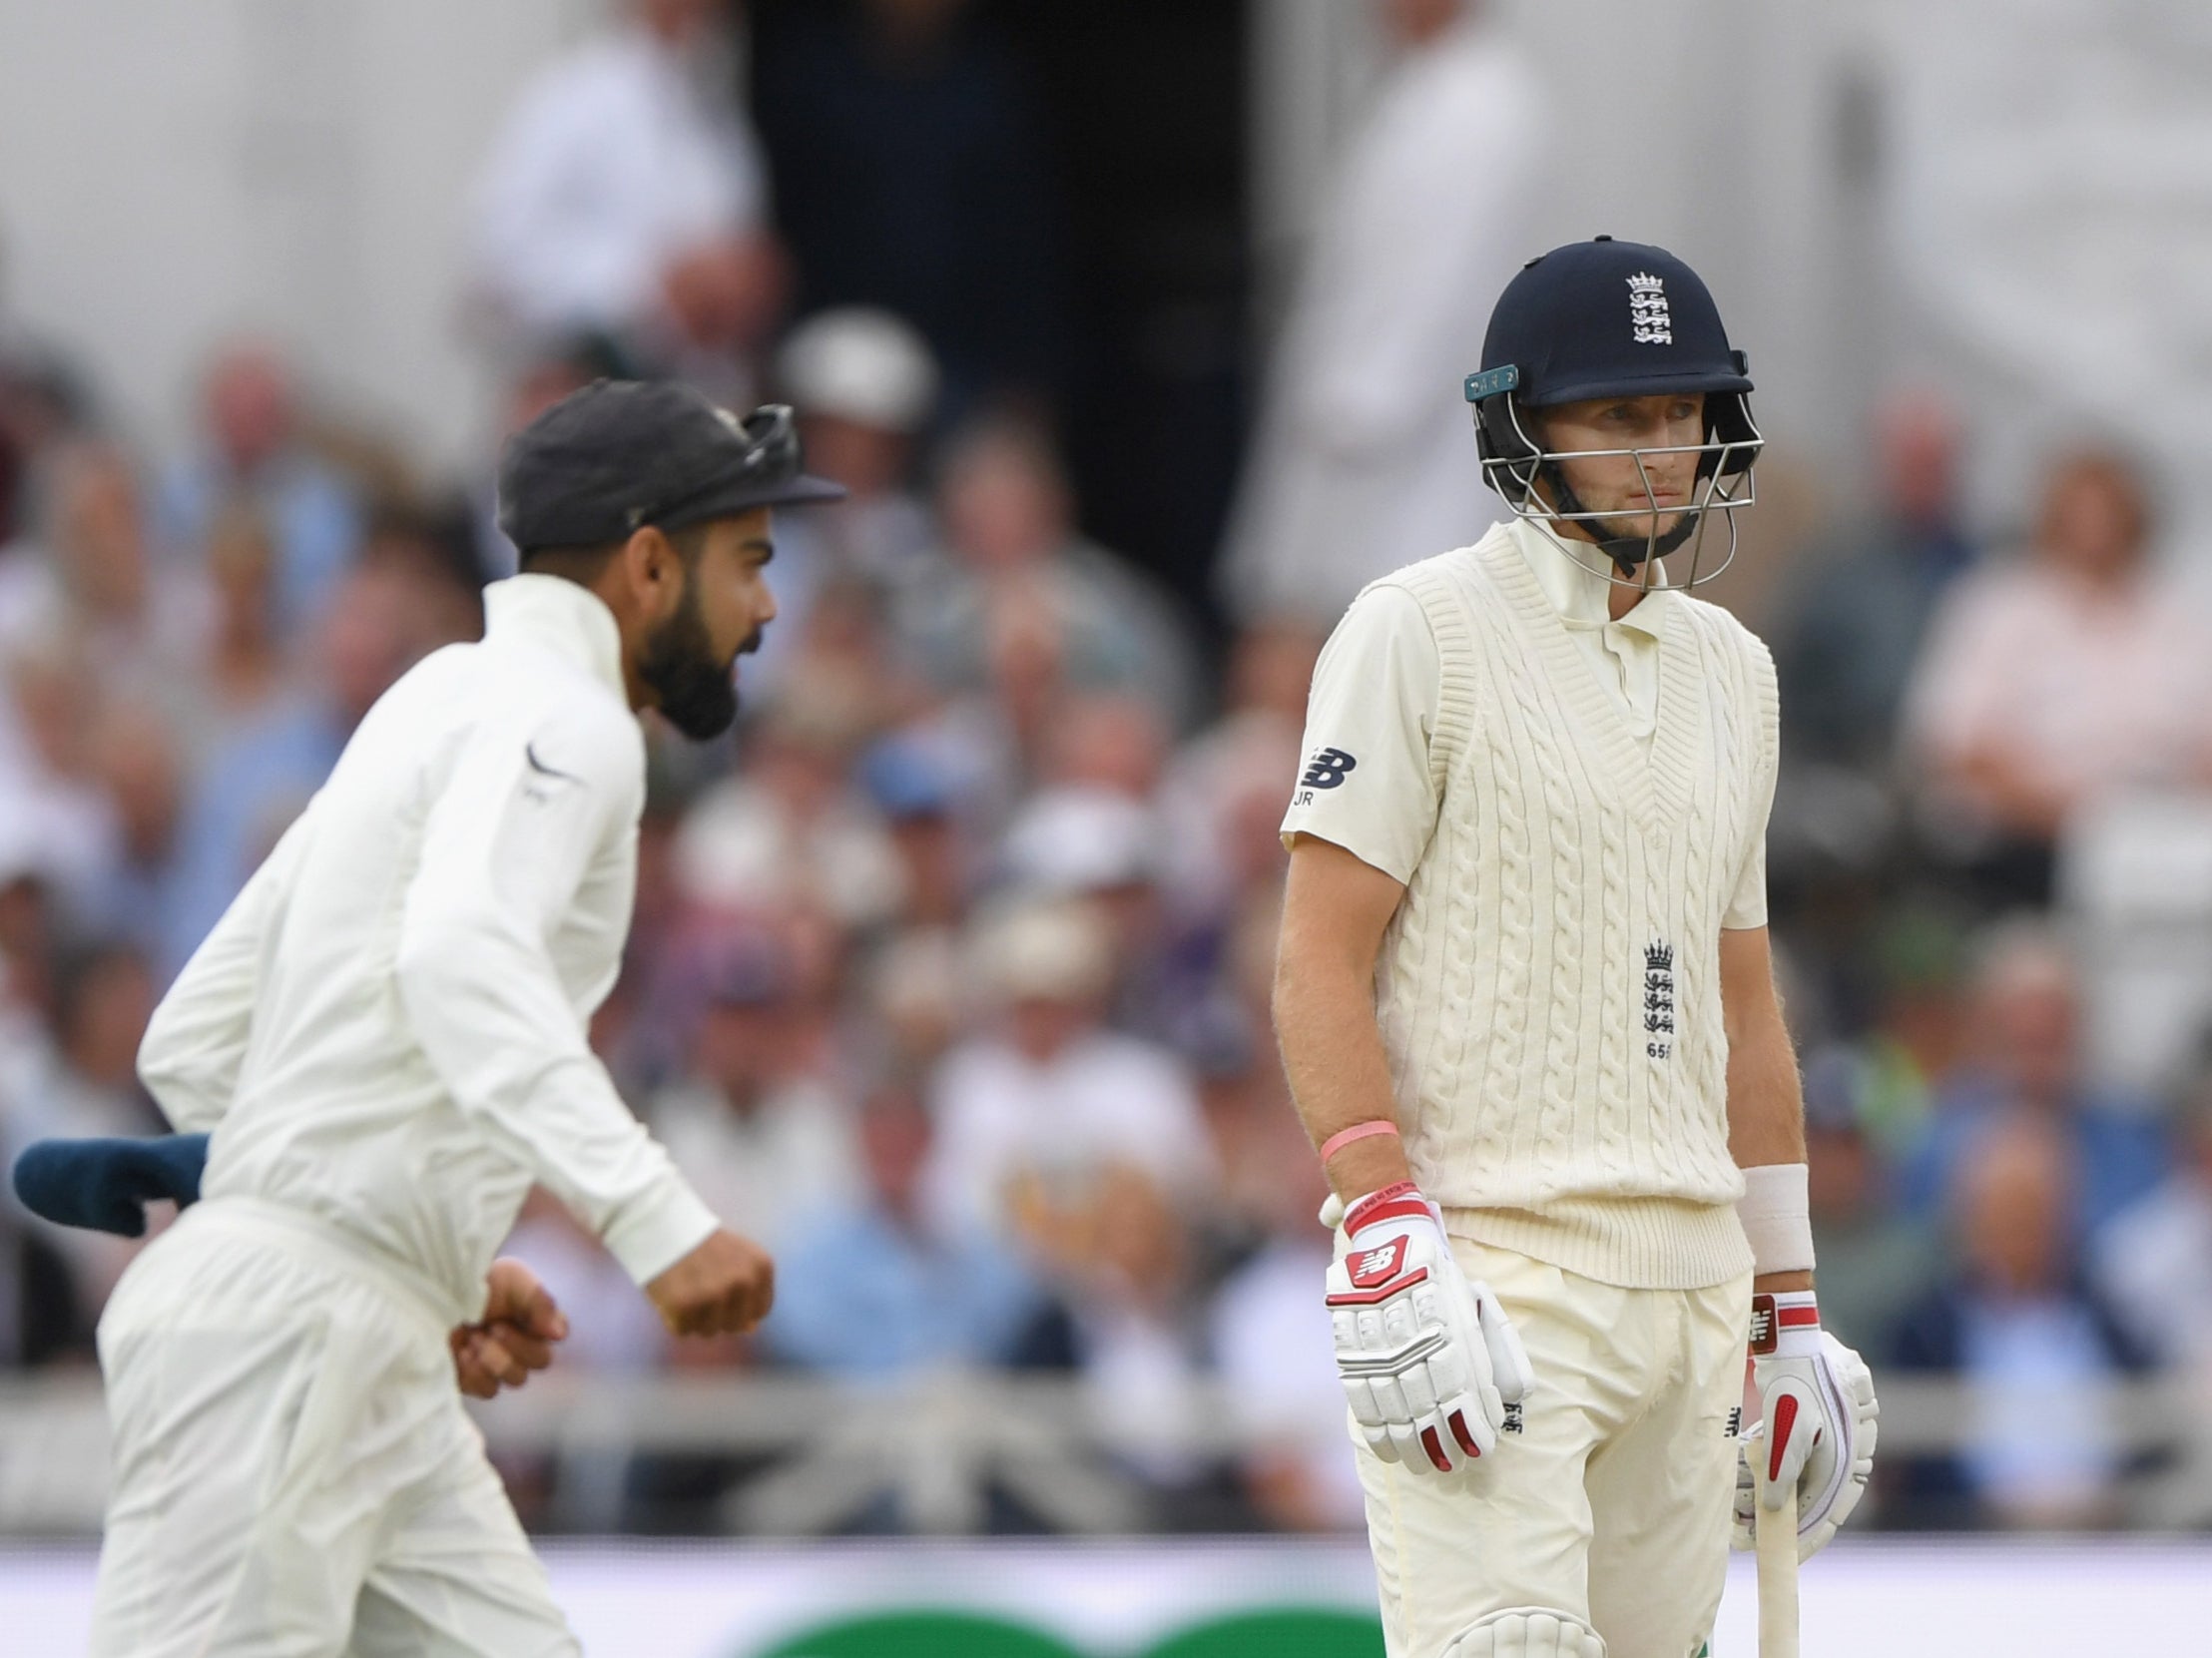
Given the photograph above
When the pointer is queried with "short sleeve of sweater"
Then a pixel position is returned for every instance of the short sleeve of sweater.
(1747, 906)
(1367, 784)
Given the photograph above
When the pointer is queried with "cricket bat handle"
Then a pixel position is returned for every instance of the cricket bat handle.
(1778, 1563)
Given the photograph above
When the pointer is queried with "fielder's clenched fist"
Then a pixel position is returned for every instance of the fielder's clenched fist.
(722, 1288)
(1429, 1359)
(513, 1338)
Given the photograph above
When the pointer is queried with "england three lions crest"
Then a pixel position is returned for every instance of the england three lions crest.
(1648, 315)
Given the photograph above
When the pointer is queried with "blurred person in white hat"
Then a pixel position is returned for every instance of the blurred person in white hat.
(1035, 1110)
(865, 385)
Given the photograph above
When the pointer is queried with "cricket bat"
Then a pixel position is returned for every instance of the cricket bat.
(1778, 1563)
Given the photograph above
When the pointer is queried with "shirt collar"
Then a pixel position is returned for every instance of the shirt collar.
(562, 617)
(1577, 592)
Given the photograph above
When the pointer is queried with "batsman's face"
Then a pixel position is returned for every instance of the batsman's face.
(1629, 483)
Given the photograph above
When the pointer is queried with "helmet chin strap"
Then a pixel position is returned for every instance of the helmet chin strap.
(1628, 552)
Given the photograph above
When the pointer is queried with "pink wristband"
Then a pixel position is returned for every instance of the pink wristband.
(1358, 1131)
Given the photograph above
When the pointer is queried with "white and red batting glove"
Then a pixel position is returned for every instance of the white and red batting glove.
(1431, 1366)
(1818, 1411)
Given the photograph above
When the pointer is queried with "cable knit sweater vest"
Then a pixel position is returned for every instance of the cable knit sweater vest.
(1549, 989)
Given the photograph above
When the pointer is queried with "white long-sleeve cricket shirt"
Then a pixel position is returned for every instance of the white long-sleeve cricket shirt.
(387, 1028)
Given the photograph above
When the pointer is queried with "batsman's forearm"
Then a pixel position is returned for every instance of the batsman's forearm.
(1333, 1055)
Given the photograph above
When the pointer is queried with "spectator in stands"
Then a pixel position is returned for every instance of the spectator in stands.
(252, 448)
(1013, 550)
(1863, 593)
(1217, 793)
(2013, 1322)
(915, 798)
(787, 827)
(1039, 1111)
(1874, 1261)
(256, 782)
(871, 1289)
(910, 173)
(136, 623)
(755, 1122)
(865, 385)
(1364, 459)
(2153, 1261)
(136, 760)
(624, 196)
(2023, 1062)
(2052, 682)
(246, 664)
(1271, 1345)
(84, 1081)
(54, 818)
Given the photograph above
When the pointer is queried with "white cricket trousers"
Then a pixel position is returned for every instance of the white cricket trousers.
(1612, 1503)
(293, 1474)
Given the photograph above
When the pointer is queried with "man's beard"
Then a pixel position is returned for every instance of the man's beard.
(699, 695)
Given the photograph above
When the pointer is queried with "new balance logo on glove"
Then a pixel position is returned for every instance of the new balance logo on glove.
(1378, 1265)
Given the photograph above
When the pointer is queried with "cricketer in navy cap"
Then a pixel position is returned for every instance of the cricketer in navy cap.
(657, 500)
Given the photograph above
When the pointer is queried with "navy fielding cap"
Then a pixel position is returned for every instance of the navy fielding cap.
(1605, 318)
(604, 461)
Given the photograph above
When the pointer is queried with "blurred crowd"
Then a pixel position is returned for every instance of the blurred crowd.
(950, 968)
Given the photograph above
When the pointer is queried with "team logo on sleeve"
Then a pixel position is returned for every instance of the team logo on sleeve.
(1327, 769)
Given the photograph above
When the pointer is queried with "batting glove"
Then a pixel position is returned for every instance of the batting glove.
(1431, 1367)
(1818, 1411)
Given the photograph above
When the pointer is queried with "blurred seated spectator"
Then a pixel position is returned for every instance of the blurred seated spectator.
(2013, 1322)
(786, 826)
(1223, 792)
(911, 174)
(245, 663)
(1269, 1340)
(2153, 1261)
(44, 405)
(56, 821)
(1011, 542)
(1859, 607)
(260, 777)
(755, 1122)
(1874, 1261)
(2023, 1061)
(2050, 681)
(1038, 1110)
(250, 450)
(913, 794)
(873, 1290)
(915, 997)
(84, 1081)
(624, 196)
(136, 760)
(135, 622)
(864, 384)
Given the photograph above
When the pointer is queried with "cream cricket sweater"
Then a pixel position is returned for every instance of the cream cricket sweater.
(1548, 991)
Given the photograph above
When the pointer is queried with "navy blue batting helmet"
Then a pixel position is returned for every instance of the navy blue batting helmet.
(1606, 318)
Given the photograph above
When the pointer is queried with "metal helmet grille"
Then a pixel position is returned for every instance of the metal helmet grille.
(1725, 484)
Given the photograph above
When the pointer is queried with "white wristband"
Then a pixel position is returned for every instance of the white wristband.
(1777, 1218)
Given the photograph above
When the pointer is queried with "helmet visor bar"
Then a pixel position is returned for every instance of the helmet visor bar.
(1724, 474)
